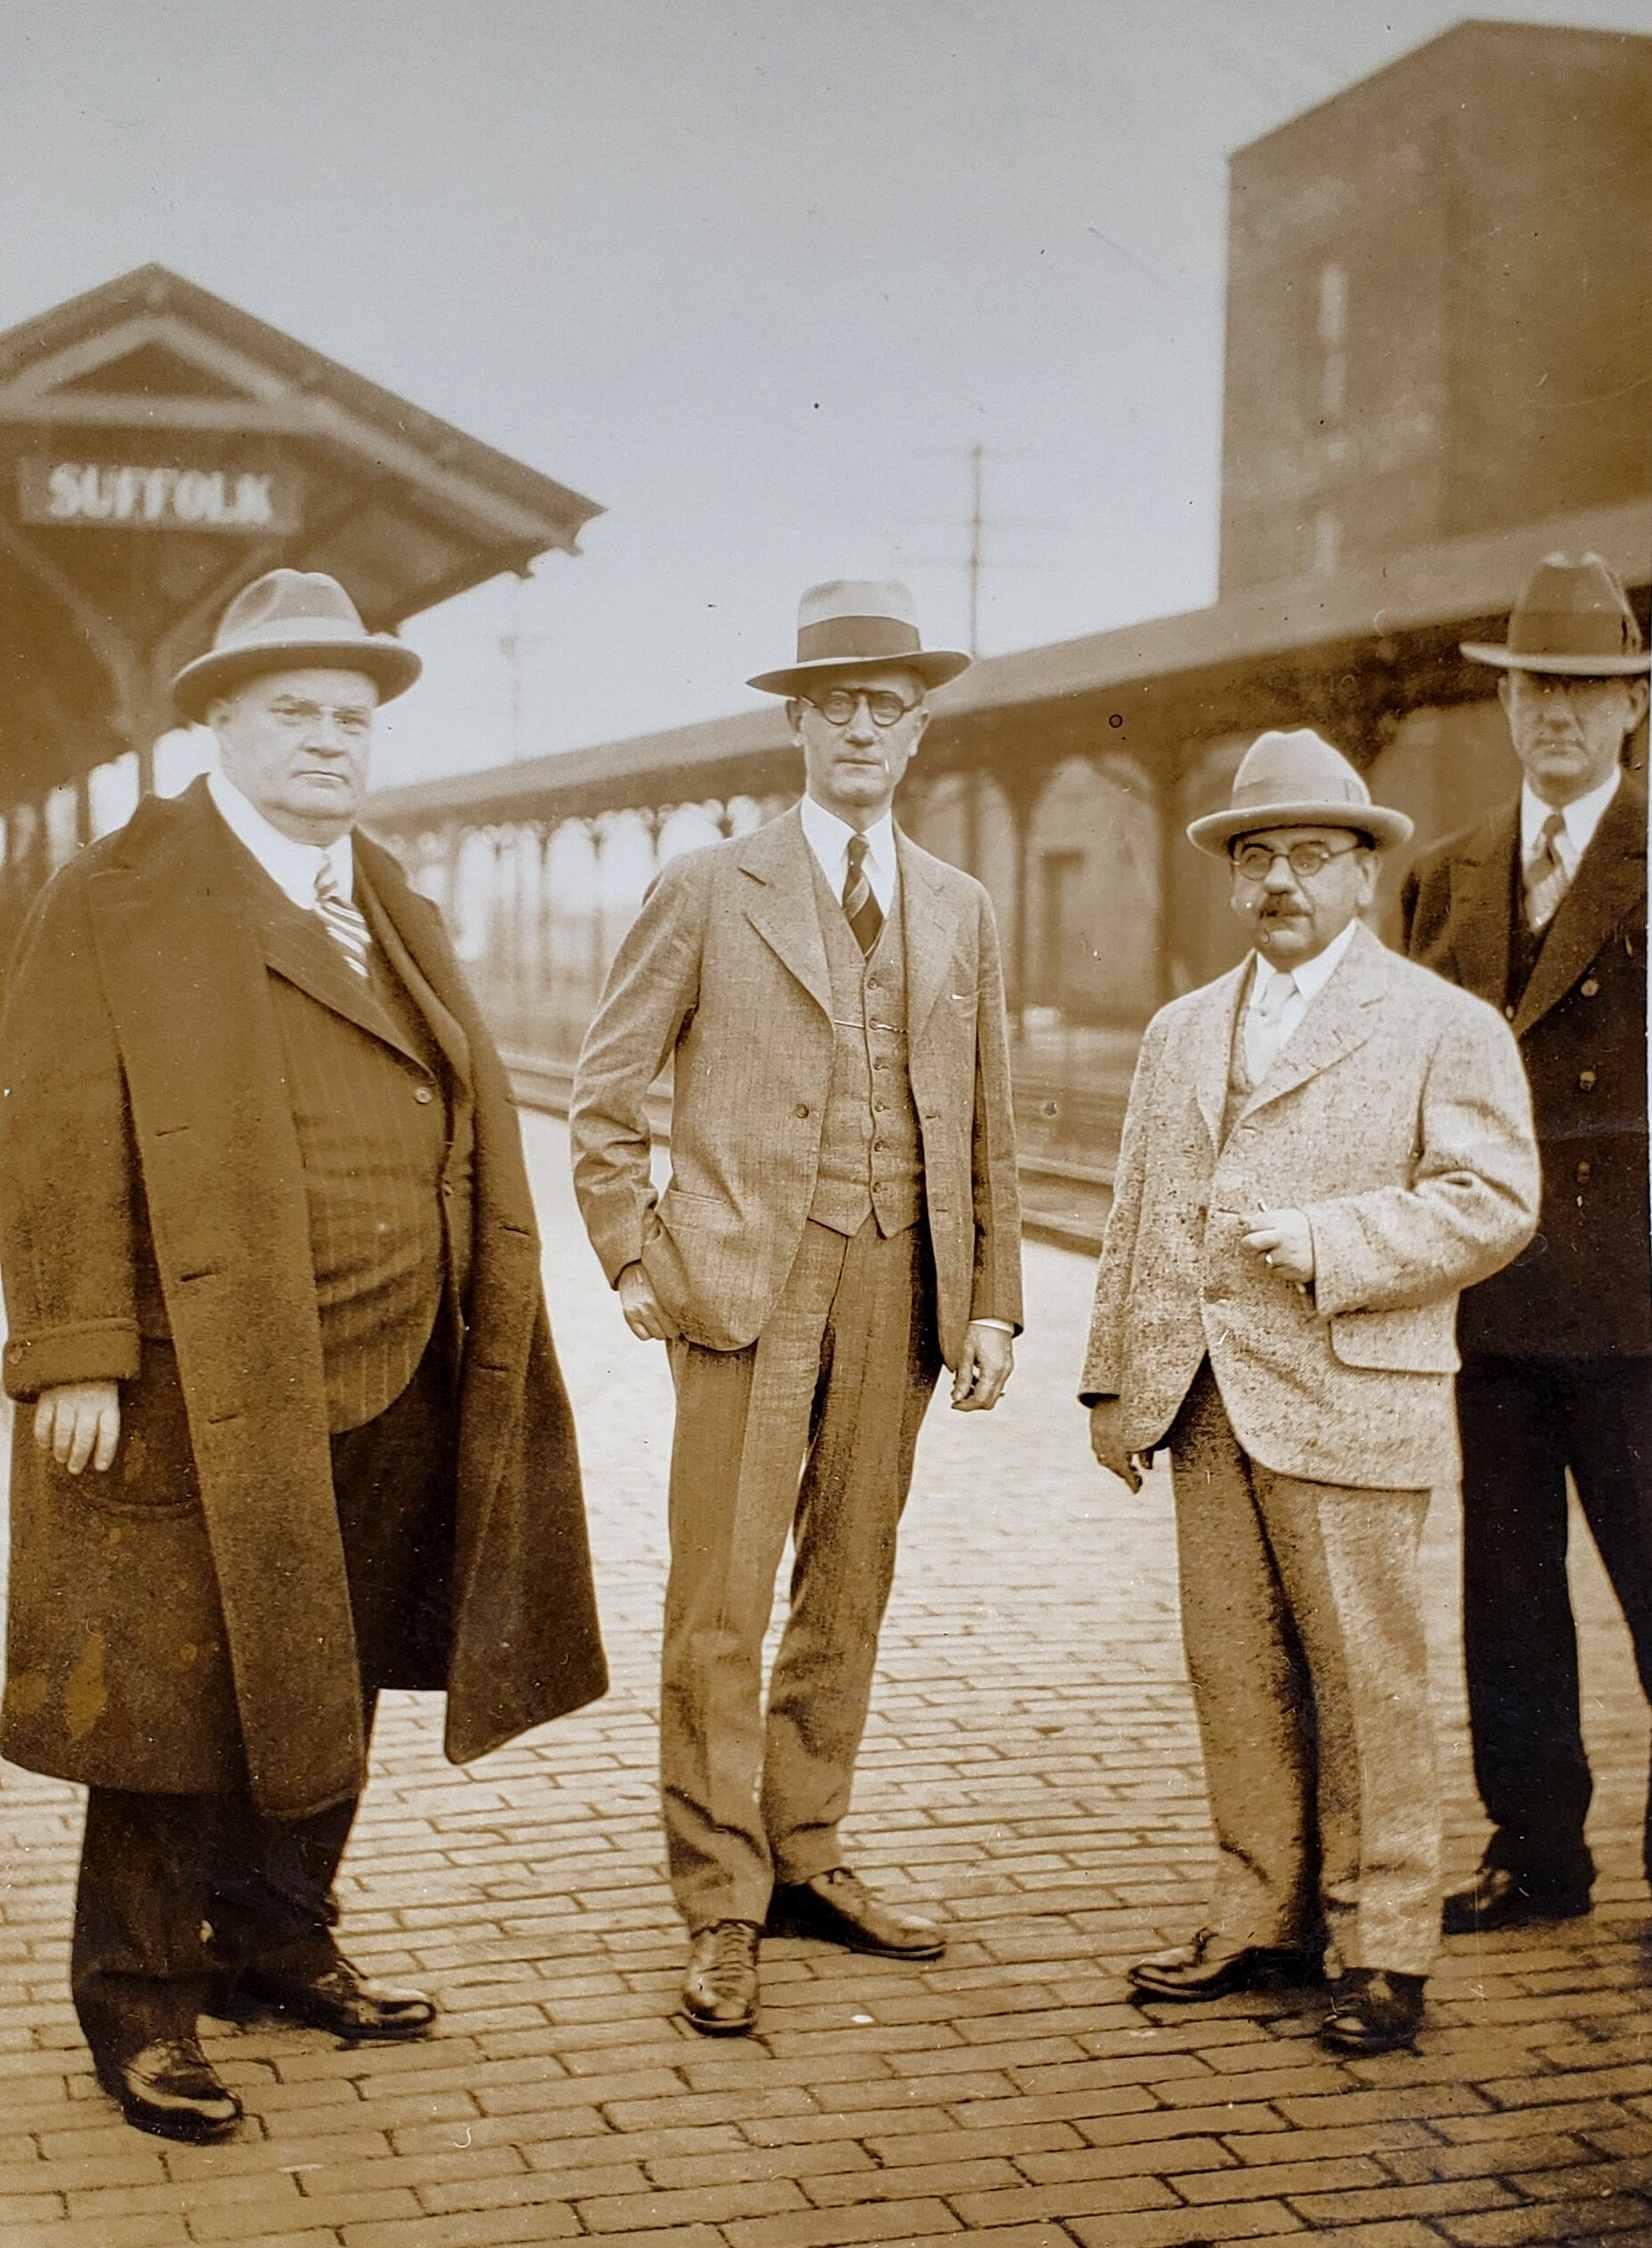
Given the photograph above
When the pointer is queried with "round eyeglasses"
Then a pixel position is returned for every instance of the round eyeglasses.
(1255, 861)
(838, 707)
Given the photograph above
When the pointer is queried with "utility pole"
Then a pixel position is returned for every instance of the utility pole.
(975, 557)
(977, 538)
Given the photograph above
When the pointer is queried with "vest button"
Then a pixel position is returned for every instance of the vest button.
(803, 1108)
(1586, 1080)
(1508, 1013)
(423, 1095)
(1582, 1171)
(1589, 987)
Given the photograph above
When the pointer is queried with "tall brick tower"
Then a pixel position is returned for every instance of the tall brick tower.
(1440, 303)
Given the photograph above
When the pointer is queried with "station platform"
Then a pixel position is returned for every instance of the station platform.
(1032, 1772)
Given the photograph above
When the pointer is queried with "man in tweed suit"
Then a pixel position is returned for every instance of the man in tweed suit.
(1542, 910)
(1321, 1149)
(291, 1428)
(842, 1218)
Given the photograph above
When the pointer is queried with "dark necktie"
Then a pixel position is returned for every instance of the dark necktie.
(865, 916)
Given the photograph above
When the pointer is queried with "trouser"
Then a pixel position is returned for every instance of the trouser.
(178, 1893)
(1302, 1613)
(810, 1430)
(1525, 1421)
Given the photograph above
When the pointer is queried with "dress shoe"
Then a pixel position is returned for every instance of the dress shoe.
(171, 2088)
(1374, 2011)
(838, 1909)
(719, 1989)
(1497, 1898)
(336, 1997)
(1210, 1967)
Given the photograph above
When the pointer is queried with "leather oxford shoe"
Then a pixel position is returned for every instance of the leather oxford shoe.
(1210, 1967)
(1374, 2011)
(719, 1989)
(171, 2088)
(1497, 1898)
(837, 1907)
(336, 1997)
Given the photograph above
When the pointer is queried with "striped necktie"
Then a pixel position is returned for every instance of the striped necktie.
(1547, 880)
(865, 916)
(345, 922)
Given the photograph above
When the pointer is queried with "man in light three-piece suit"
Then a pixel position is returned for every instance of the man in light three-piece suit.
(1321, 1148)
(841, 1220)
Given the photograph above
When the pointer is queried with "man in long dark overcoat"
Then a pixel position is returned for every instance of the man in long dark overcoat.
(1542, 910)
(291, 1428)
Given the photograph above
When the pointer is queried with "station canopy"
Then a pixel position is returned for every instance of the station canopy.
(159, 449)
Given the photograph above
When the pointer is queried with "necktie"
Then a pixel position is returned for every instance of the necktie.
(1547, 880)
(345, 921)
(1264, 1026)
(865, 916)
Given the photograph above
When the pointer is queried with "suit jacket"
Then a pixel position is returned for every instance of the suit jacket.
(724, 973)
(1583, 1289)
(1397, 1118)
(183, 1622)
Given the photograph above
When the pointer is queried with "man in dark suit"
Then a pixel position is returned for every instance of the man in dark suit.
(1542, 909)
(291, 1429)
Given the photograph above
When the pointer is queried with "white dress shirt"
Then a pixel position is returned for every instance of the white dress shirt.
(1307, 979)
(1580, 822)
(829, 840)
(292, 867)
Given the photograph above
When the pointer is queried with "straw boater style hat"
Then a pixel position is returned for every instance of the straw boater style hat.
(1574, 620)
(291, 620)
(851, 622)
(1296, 780)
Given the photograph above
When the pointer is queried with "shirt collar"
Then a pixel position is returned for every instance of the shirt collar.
(829, 840)
(292, 866)
(1582, 818)
(1313, 975)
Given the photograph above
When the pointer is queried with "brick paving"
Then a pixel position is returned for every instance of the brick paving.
(1031, 1770)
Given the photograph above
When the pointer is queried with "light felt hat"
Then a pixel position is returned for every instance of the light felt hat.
(1297, 780)
(850, 622)
(1573, 620)
(291, 620)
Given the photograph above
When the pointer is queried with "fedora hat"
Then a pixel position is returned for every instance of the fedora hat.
(850, 622)
(1297, 780)
(1572, 619)
(291, 620)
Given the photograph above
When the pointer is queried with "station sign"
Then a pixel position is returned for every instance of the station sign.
(150, 496)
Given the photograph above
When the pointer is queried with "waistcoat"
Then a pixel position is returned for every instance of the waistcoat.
(381, 1169)
(872, 1156)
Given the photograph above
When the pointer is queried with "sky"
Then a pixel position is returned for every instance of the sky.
(755, 275)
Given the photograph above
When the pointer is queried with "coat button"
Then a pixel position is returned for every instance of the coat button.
(1202, 1211)
(1582, 1171)
(1509, 1014)
(423, 1095)
(1590, 987)
(1586, 1080)
(803, 1108)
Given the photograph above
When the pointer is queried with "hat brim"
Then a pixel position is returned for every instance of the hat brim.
(391, 663)
(1626, 666)
(934, 666)
(1217, 829)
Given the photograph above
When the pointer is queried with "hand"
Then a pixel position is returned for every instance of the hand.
(1106, 1443)
(1285, 1241)
(645, 1315)
(79, 1422)
(987, 1361)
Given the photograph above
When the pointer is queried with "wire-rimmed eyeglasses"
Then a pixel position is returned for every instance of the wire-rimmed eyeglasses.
(1255, 861)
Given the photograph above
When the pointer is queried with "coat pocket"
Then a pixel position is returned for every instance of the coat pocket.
(1417, 1341)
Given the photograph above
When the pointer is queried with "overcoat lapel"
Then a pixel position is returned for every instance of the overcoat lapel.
(1337, 1022)
(185, 972)
(780, 904)
(445, 1026)
(1483, 894)
(1611, 876)
(297, 947)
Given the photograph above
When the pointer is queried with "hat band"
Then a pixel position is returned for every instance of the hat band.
(1257, 795)
(856, 638)
(1571, 633)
